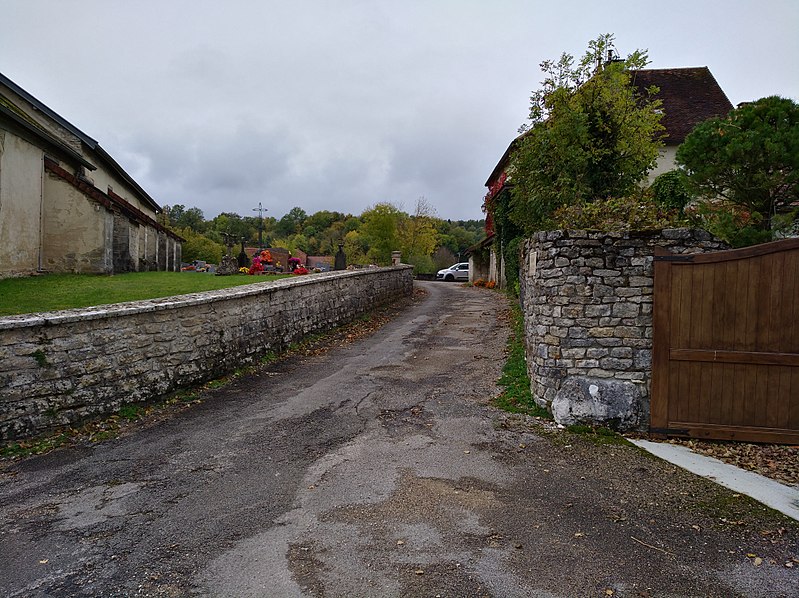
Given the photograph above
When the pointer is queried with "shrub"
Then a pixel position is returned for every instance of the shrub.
(618, 214)
(732, 224)
(669, 190)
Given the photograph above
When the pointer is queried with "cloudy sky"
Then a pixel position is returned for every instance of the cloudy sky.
(341, 104)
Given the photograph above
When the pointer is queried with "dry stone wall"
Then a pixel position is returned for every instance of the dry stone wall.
(587, 302)
(63, 367)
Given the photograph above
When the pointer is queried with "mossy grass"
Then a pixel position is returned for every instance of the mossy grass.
(34, 446)
(598, 434)
(131, 411)
(517, 396)
(40, 357)
(66, 291)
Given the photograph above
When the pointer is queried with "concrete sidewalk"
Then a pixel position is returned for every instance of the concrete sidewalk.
(780, 497)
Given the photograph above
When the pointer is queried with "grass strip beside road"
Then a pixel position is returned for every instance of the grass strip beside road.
(517, 396)
(52, 292)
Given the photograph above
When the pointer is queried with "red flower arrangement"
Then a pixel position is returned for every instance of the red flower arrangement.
(257, 267)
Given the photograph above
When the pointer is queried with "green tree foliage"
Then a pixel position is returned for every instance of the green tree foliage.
(319, 221)
(233, 224)
(179, 217)
(291, 223)
(670, 191)
(591, 135)
(199, 247)
(418, 236)
(292, 243)
(508, 237)
(457, 236)
(354, 248)
(748, 160)
(369, 238)
(380, 231)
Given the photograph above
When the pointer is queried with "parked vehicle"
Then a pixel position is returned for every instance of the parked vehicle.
(454, 272)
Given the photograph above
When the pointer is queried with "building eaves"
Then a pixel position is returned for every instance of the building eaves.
(501, 165)
(113, 165)
(44, 109)
(503, 161)
(12, 113)
(480, 244)
(90, 142)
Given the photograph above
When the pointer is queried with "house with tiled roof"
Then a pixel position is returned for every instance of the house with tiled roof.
(689, 96)
(65, 204)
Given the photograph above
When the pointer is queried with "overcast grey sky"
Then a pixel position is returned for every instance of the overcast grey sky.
(342, 104)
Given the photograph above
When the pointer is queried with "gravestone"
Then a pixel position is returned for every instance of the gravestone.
(341, 259)
(243, 260)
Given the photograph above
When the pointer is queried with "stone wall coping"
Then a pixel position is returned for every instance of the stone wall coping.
(667, 233)
(129, 308)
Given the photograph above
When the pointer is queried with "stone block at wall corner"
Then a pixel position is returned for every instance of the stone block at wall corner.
(596, 401)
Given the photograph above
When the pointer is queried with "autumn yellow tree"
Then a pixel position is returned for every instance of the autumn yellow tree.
(418, 236)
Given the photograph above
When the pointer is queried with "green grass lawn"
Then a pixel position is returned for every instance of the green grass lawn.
(65, 291)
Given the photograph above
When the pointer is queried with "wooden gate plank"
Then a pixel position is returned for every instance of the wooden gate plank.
(661, 333)
(743, 357)
(726, 344)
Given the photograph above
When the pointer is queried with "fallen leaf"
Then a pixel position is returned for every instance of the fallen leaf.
(608, 592)
(758, 561)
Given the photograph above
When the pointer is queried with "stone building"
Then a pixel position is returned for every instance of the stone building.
(65, 204)
(689, 96)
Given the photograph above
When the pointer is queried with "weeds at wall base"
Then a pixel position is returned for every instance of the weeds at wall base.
(517, 396)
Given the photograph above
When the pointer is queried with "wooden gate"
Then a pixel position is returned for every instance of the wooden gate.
(725, 361)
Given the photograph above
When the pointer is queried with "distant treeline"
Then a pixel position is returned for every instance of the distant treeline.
(426, 241)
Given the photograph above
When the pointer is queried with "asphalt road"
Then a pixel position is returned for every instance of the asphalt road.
(380, 469)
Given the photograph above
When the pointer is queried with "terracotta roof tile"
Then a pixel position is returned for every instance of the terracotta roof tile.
(689, 95)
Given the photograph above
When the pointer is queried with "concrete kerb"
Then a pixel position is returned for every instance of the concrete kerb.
(779, 497)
